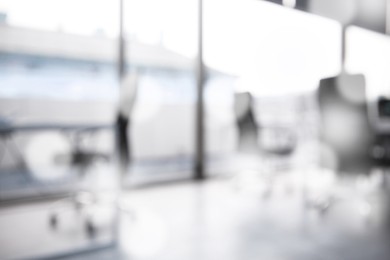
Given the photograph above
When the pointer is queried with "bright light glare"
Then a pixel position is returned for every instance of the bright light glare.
(220, 108)
(273, 49)
(41, 152)
(369, 53)
(289, 3)
(252, 181)
(352, 88)
(143, 236)
(320, 182)
(312, 154)
(73, 16)
(172, 23)
(150, 97)
(335, 121)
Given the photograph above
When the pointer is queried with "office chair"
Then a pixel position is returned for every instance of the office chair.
(345, 128)
(251, 146)
(83, 160)
(381, 150)
(344, 122)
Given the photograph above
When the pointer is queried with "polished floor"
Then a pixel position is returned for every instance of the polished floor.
(245, 217)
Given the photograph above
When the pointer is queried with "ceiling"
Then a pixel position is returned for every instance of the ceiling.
(369, 14)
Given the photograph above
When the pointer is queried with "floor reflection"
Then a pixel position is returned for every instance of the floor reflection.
(306, 213)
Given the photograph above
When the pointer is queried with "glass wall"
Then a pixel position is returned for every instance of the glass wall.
(58, 100)
(277, 55)
(161, 50)
(58, 86)
(373, 65)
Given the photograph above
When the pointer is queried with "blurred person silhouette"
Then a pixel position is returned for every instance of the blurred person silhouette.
(246, 123)
(127, 99)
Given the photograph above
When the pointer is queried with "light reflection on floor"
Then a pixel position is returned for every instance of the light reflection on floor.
(303, 214)
(217, 220)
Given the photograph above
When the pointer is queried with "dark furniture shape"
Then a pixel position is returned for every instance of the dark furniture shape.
(366, 148)
(266, 159)
(250, 130)
(344, 123)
